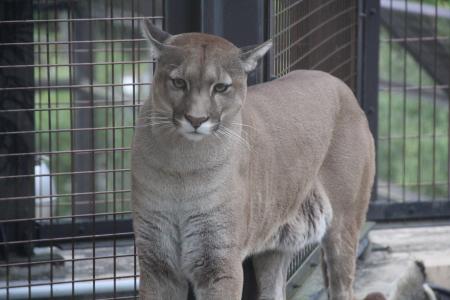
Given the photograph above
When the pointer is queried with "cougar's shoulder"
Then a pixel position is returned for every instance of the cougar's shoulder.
(300, 96)
(295, 114)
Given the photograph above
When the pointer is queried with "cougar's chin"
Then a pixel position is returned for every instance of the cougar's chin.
(195, 137)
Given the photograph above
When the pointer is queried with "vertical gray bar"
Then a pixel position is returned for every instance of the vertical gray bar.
(368, 56)
(83, 184)
(368, 60)
(14, 143)
(244, 23)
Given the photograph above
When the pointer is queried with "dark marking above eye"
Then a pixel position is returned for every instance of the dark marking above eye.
(203, 60)
(203, 55)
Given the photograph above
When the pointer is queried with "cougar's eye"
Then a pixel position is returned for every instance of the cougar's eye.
(179, 83)
(221, 87)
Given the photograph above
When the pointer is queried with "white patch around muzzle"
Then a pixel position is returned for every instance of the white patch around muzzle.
(188, 131)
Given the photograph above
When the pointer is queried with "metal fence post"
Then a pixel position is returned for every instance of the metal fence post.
(182, 16)
(83, 182)
(368, 55)
(16, 127)
(244, 23)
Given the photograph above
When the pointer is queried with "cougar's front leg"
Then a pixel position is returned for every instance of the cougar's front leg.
(220, 280)
(211, 255)
(158, 278)
(271, 269)
(160, 275)
(159, 283)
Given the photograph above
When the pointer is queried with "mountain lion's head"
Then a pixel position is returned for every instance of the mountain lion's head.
(200, 82)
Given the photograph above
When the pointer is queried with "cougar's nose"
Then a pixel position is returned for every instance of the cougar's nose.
(196, 122)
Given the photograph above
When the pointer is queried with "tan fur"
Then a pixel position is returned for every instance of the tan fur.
(202, 206)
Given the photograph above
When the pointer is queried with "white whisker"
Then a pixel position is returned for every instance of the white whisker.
(152, 114)
(233, 135)
(216, 134)
(245, 125)
(154, 124)
(155, 116)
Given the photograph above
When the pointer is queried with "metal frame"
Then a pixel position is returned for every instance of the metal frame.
(21, 101)
(368, 57)
(415, 39)
(383, 212)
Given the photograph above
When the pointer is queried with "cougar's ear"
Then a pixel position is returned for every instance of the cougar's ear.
(250, 57)
(155, 36)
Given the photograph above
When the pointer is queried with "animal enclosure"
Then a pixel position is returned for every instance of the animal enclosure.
(73, 74)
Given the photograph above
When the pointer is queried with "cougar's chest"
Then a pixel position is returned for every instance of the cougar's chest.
(190, 240)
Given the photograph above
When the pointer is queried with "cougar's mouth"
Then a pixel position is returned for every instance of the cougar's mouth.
(190, 132)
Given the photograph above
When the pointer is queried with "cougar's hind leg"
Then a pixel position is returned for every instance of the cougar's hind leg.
(340, 245)
(271, 269)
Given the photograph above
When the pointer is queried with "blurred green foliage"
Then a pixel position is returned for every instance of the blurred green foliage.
(413, 126)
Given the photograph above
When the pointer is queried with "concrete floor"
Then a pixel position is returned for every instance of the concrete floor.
(392, 251)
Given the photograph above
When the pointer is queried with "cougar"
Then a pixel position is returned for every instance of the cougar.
(222, 172)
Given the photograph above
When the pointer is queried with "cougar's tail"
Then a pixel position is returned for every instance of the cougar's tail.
(412, 285)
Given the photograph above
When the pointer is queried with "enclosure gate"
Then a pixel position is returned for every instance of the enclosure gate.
(73, 74)
(411, 118)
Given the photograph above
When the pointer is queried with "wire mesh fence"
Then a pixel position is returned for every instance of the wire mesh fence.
(319, 35)
(413, 115)
(73, 74)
